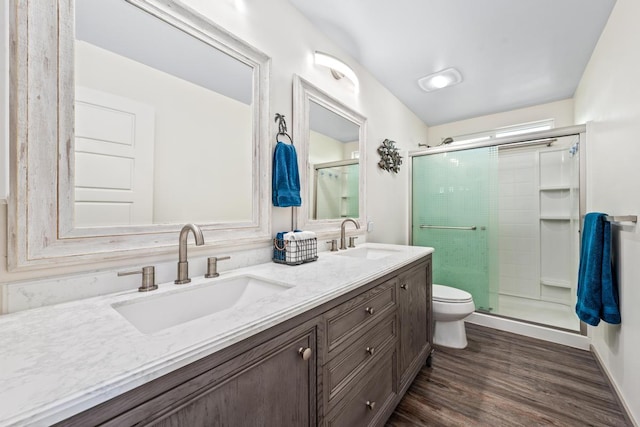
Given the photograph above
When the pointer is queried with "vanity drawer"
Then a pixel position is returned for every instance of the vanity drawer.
(343, 370)
(358, 313)
(371, 399)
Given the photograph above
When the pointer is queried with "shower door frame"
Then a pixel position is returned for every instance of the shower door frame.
(577, 130)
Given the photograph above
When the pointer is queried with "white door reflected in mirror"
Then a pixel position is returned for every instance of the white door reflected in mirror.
(113, 134)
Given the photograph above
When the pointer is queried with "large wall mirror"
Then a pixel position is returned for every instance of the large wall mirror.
(331, 137)
(152, 118)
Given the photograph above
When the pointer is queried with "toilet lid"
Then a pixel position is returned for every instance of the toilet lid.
(449, 294)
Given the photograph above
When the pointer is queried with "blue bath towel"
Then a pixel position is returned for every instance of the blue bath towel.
(597, 289)
(285, 179)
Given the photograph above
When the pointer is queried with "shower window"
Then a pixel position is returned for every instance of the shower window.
(506, 131)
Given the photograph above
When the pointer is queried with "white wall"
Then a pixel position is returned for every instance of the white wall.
(560, 111)
(269, 26)
(348, 148)
(609, 97)
(323, 148)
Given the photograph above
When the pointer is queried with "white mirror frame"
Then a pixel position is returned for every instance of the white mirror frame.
(42, 95)
(304, 93)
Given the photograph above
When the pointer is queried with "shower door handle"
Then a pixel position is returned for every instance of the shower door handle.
(446, 227)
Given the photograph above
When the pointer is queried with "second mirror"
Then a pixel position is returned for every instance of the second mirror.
(331, 138)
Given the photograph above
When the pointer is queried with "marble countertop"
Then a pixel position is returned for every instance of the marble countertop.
(59, 360)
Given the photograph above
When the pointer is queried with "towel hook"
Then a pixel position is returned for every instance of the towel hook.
(282, 127)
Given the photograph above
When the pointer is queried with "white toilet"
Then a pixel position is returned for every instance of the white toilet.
(450, 307)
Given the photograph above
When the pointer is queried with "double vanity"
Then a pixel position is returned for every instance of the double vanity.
(331, 342)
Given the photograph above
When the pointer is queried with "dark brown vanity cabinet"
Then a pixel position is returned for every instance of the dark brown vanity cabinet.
(345, 363)
(360, 370)
(415, 314)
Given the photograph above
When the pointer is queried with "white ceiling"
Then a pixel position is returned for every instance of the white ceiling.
(331, 124)
(122, 28)
(511, 54)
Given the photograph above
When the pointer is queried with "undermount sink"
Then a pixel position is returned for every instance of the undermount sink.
(158, 312)
(368, 253)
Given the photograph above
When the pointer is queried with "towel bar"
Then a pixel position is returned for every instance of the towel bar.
(444, 227)
(623, 218)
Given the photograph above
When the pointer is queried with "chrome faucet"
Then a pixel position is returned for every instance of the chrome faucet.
(183, 265)
(343, 243)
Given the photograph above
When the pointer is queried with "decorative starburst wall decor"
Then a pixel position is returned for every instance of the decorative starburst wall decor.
(390, 158)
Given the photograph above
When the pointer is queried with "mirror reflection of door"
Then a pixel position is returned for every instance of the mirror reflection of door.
(113, 134)
(195, 163)
(333, 164)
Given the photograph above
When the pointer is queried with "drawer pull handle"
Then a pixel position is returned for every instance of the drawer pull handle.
(369, 310)
(305, 353)
(404, 286)
(371, 350)
(371, 405)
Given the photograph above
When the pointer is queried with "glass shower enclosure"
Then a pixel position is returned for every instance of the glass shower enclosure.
(504, 221)
(335, 190)
(454, 198)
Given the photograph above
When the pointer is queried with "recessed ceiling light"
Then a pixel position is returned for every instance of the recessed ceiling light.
(439, 80)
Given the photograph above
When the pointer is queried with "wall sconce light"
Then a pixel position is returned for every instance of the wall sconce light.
(338, 68)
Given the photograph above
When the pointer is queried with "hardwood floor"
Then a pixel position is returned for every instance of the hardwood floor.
(503, 379)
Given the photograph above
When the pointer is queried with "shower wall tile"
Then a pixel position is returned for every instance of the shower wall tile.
(519, 227)
(518, 230)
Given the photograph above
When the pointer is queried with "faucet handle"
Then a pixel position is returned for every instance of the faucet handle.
(352, 241)
(334, 245)
(212, 266)
(148, 278)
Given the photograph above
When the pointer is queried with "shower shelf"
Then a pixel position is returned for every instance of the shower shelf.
(555, 188)
(555, 217)
(555, 282)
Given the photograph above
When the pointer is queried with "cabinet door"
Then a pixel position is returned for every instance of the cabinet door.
(270, 384)
(277, 389)
(414, 303)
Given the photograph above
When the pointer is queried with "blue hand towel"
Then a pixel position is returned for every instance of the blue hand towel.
(285, 178)
(279, 253)
(597, 290)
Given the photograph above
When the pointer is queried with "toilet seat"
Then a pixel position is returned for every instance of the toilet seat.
(450, 295)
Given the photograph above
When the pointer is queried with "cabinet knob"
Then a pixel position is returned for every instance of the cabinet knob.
(371, 405)
(371, 350)
(404, 286)
(369, 310)
(305, 353)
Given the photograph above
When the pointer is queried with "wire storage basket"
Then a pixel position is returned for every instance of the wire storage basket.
(295, 252)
